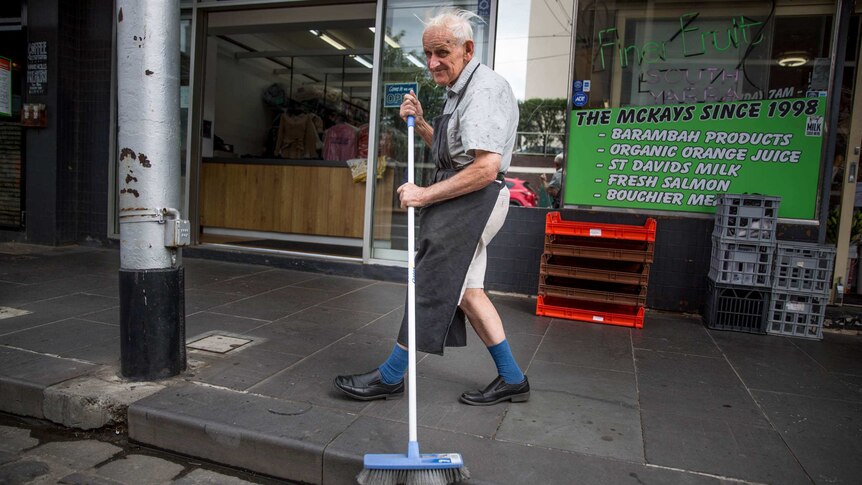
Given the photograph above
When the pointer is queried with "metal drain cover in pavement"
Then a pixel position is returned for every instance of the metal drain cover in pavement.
(221, 344)
(7, 312)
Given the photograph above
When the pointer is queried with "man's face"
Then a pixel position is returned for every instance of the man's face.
(446, 59)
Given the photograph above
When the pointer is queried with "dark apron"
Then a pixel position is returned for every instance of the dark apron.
(449, 233)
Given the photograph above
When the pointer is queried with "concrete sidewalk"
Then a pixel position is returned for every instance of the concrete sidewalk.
(671, 403)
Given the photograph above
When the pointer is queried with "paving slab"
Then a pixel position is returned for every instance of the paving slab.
(80, 454)
(823, 434)
(240, 370)
(198, 299)
(591, 411)
(6, 457)
(202, 272)
(146, 470)
(588, 345)
(311, 379)
(259, 282)
(276, 304)
(110, 316)
(204, 323)
(208, 477)
(79, 478)
(719, 447)
(62, 337)
(695, 386)
(297, 337)
(337, 284)
(326, 317)
(56, 309)
(380, 298)
(105, 353)
(438, 408)
(670, 332)
(23, 471)
(776, 364)
(277, 437)
(20, 294)
(838, 354)
(489, 461)
(14, 439)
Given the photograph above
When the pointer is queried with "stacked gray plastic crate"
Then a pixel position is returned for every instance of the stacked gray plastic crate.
(740, 273)
(800, 289)
(758, 284)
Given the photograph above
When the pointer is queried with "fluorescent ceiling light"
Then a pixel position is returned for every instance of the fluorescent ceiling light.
(389, 40)
(793, 59)
(416, 62)
(362, 61)
(334, 43)
(314, 32)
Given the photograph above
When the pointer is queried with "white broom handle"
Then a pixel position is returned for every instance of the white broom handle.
(411, 288)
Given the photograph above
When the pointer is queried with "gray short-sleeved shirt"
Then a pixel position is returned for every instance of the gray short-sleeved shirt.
(486, 119)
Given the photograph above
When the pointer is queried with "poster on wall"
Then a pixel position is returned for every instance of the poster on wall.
(679, 157)
(37, 68)
(5, 87)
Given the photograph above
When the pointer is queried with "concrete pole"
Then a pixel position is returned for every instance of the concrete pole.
(152, 305)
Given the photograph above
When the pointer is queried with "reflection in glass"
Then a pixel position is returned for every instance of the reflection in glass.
(533, 51)
(403, 62)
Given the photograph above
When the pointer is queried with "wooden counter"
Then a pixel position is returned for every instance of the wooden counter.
(310, 197)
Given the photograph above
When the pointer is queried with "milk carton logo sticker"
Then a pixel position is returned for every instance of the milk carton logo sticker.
(580, 99)
(814, 126)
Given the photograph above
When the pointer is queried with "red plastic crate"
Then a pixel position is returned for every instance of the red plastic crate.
(586, 311)
(624, 272)
(554, 224)
(601, 292)
(610, 249)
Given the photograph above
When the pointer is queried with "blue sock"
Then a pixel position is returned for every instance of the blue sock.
(505, 361)
(392, 371)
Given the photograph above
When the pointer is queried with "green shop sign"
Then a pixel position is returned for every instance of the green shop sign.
(678, 157)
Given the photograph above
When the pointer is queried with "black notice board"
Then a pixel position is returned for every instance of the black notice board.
(37, 68)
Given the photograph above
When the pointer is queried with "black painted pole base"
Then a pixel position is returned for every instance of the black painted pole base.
(152, 323)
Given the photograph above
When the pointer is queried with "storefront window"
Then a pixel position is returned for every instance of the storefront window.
(285, 128)
(13, 62)
(672, 105)
(403, 68)
(533, 52)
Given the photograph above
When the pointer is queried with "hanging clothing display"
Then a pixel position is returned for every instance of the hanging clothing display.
(297, 137)
(340, 142)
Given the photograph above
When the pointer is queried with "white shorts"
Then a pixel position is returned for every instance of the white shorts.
(476, 273)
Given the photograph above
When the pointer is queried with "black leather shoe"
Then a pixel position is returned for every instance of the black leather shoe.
(498, 391)
(369, 386)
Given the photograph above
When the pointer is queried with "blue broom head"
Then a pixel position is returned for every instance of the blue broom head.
(425, 461)
(413, 468)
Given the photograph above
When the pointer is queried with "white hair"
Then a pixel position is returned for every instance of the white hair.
(456, 20)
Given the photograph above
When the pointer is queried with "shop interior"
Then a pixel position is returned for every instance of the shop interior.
(285, 126)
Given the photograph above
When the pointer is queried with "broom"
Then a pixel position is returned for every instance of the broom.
(412, 468)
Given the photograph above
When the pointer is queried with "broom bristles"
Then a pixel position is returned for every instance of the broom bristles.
(440, 476)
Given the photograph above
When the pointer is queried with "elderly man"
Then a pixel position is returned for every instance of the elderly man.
(553, 187)
(461, 212)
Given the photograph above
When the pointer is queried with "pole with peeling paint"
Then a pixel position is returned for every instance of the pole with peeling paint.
(152, 307)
